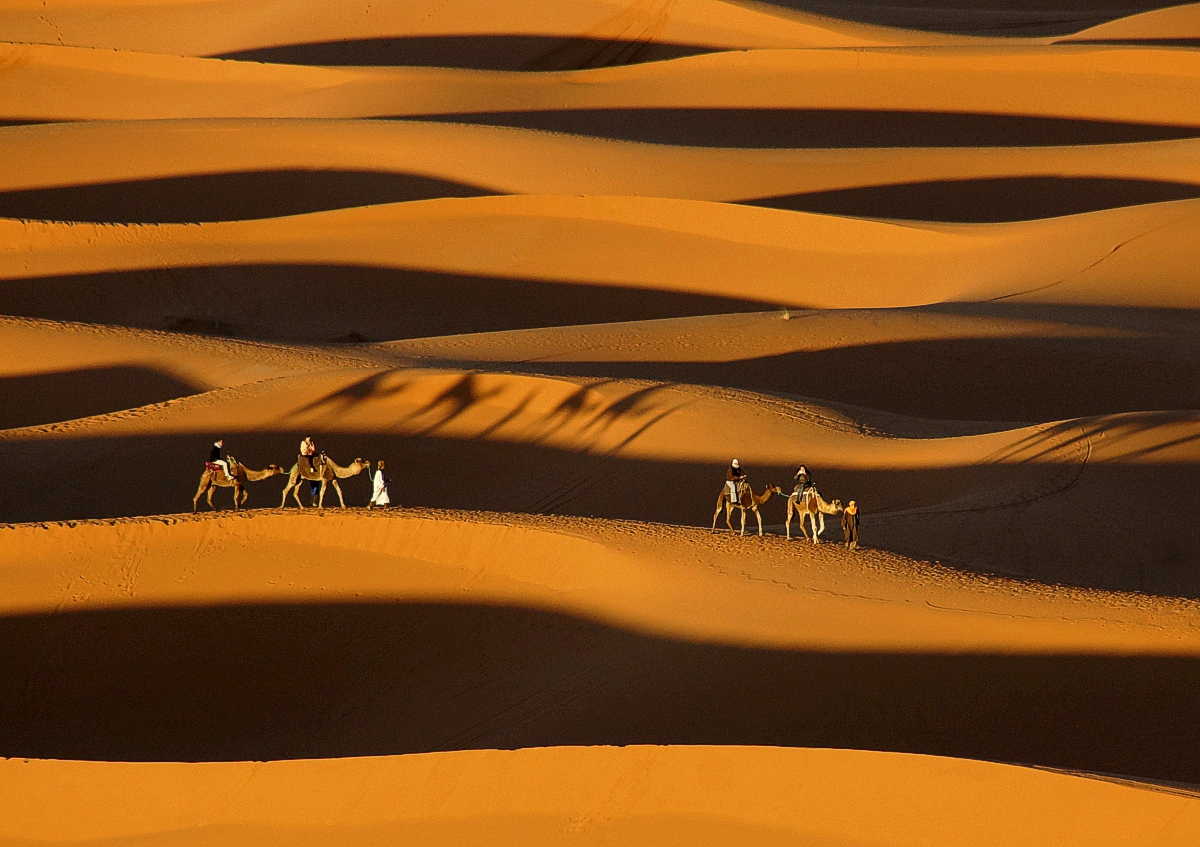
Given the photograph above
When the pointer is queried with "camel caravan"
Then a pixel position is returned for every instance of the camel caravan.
(317, 469)
(320, 471)
(805, 502)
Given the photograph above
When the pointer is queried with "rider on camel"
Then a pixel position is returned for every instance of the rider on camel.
(308, 452)
(308, 459)
(734, 478)
(216, 456)
(803, 481)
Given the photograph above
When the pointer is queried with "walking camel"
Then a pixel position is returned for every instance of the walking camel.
(747, 499)
(212, 479)
(326, 471)
(815, 508)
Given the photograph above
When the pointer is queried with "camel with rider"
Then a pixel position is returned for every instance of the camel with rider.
(325, 471)
(214, 477)
(813, 506)
(746, 500)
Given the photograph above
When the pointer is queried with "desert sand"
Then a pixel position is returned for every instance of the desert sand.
(557, 263)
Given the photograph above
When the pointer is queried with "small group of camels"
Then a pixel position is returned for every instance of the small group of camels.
(324, 470)
(810, 505)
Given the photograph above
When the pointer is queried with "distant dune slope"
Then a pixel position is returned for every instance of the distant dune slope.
(446, 266)
(542, 34)
(1096, 83)
(1179, 24)
(187, 171)
(1039, 362)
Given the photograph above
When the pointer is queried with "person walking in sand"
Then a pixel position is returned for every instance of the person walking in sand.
(379, 492)
(850, 525)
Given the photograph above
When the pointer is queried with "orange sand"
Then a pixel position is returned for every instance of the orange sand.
(557, 263)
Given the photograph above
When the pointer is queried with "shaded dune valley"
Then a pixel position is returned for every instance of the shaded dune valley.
(530, 275)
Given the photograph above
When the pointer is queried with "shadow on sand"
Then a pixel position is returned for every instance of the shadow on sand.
(1039, 511)
(33, 399)
(283, 681)
(475, 52)
(814, 128)
(984, 200)
(346, 303)
(225, 197)
(1021, 17)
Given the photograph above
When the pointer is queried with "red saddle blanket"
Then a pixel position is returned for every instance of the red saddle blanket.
(213, 466)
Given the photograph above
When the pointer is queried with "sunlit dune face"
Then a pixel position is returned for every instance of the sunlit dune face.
(552, 264)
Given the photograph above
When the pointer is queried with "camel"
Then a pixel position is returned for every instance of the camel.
(747, 499)
(813, 507)
(211, 480)
(326, 471)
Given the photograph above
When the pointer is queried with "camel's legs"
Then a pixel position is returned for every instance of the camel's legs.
(758, 515)
(743, 508)
(812, 521)
(321, 499)
(237, 496)
(728, 512)
(296, 494)
(720, 503)
(788, 523)
(338, 489)
(200, 492)
(821, 517)
(245, 496)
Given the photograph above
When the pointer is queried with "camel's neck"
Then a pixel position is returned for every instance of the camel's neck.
(342, 473)
(764, 497)
(255, 476)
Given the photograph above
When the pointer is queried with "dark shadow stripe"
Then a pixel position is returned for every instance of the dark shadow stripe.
(225, 197)
(992, 200)
(1015, 18)
(962, 379)
(1049, 520)
(33, 399)
(324, 303)
(474, 52)
(821, 128)
(291, 681)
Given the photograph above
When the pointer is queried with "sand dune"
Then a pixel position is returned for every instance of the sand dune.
(182, 171)
(1179, 24)
(588, 796)
(555, 632)
(609, 447)
(446, 266)
(548, 34)
(556, 263)
(1089, 83)
(1040, 363)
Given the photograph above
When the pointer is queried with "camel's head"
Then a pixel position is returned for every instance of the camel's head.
(837, 505)
(362, 464)
(774, 489)
(274, 469)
